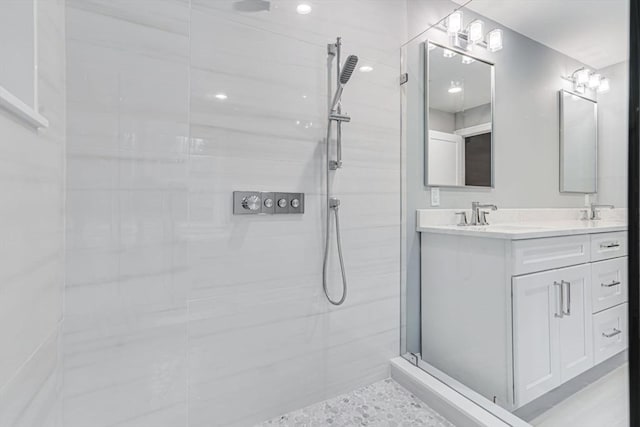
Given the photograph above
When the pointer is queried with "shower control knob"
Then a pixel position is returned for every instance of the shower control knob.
(295, 203)
(282, 203)
(268, 203)
(251, 203)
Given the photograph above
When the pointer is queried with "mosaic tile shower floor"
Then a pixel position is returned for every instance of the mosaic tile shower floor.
(384, 403)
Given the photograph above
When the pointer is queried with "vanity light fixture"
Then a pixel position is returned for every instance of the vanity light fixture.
(455, 87)
(472, 35)
(583, 79)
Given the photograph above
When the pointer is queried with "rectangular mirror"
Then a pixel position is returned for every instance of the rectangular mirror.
(578, 143)
(459, 119)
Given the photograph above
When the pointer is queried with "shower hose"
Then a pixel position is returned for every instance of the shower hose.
(332, 207)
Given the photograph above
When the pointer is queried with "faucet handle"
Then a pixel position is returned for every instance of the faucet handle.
(463, 219)
(482, 217)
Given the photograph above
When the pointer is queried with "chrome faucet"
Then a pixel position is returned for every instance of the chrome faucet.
(595, 212)
(478, 216)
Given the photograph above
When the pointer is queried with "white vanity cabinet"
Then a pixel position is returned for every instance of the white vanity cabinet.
(552, 332)
(513, 316)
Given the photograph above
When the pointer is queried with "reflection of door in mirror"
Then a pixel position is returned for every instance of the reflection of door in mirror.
(446, 159)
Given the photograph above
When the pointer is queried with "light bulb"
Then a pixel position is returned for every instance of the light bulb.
(494, 40)
(475, 31)
(454, 22)
(604, 85)
(448, 53)
(455, 87)
(582, 76)
(467, 60)
(594, 81)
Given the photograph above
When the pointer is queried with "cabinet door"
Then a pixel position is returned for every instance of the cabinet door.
(536, 303)
(576, 336)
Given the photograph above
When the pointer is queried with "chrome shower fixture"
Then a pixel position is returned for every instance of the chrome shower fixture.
(345, 75)
(332, 203)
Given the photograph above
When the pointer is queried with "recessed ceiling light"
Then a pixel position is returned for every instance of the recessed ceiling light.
(303, 9)
(221, 96)
(366, 68)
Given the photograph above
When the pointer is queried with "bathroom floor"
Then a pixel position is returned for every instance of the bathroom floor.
(603, 403)
(384, 403)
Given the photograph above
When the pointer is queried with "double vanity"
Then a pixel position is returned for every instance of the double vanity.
(517, 308)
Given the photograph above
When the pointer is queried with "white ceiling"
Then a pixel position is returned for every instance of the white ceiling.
(595, 32)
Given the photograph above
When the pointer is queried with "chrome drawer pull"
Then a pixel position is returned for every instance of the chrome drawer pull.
(612, 334)
(564, 282)
(610, 285)
(609, 245)
(559, 301)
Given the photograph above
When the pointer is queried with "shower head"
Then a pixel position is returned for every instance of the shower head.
(347, 69)
(345, 75)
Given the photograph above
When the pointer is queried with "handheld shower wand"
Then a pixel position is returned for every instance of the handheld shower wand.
(332, 203)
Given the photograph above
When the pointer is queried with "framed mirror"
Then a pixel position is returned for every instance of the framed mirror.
(578, 143)
(459, 118)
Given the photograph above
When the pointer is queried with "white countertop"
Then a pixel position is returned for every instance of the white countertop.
(528, 230)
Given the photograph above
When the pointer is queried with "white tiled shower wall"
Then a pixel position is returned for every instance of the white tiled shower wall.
(177, 312)
(32, 250)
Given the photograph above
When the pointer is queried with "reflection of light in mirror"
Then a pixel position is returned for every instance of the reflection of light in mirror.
(454, 22)
(467, 60)
(366, 69)
(494, 40)
(303, 9)
(604, 85)
(221, 96)
(455, 87)
(475, 30)
(448, 53)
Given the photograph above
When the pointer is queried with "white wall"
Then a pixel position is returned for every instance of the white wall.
(32, 250)
(613, 136)
(179, 313)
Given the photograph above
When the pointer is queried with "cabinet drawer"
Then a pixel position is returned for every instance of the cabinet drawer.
(609, 282)
(610, 332)
(608, 245)
(529, 256)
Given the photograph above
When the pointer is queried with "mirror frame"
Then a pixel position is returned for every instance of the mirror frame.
(561, 94)
(425, 142)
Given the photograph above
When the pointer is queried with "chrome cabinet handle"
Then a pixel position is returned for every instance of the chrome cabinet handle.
(559, 301)
(612, 334)
(610, 285)
(609, 245)
(564, 282)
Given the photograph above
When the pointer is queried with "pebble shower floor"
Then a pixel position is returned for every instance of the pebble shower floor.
(384, 403)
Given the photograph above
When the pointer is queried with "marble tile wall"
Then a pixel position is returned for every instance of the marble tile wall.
(32, 228)
(177, 312)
